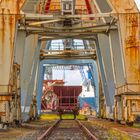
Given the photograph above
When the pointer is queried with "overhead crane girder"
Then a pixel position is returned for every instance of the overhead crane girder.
(65, 63)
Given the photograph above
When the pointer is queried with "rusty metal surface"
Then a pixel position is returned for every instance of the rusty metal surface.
(5, 98)
(9, 15)
(67, 129)
(129, 28)
(8, 20)
(67, 90)
(124, 6)
(128, 17)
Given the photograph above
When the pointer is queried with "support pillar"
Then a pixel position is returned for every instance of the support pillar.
(27, 73)
(106, 70)
(9, 16)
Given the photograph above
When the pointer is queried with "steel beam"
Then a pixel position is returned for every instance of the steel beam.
(95, 80)
(102, 72)
(58, 62)
(27, 69)
(19, 47)
(29, 16)
(39, 91)
(104, 6)
(108, 68)
(80, 28)
(117, 58)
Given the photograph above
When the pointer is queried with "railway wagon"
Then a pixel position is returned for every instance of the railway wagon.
(68, 99)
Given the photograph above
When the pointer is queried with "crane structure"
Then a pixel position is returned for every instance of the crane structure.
(110, 29)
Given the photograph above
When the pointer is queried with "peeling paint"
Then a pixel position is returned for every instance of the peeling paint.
(132, 48)
(124, 6)
(9, 11)
(129, 28)
(9, 14)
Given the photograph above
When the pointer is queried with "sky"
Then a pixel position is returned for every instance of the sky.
(73, 78)
(138, 3)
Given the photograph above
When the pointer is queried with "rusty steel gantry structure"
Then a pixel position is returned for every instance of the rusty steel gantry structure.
(111, 28)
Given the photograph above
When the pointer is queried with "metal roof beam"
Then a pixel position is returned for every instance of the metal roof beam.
(30, 16)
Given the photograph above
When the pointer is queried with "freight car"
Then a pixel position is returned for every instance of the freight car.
(67, 99)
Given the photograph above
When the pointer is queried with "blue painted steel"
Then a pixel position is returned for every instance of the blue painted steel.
(107, 57)
(34, 70)
(94, 82)
(68, 62)
(27, 95)
(40, 86)
(106, 92)
(89, 74)
(48, 45)
(82, 74)
(61, 62)
(117, 53)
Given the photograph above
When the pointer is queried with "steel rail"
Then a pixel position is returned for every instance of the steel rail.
(48, 131)
(85, 130)
(81, 126)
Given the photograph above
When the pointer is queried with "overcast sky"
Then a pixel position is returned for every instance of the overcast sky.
(72, 77)
(138, 3)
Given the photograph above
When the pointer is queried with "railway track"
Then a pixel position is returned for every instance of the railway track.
(67, 130)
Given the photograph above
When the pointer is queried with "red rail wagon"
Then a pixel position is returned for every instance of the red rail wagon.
(68, 98)
(48, 97)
